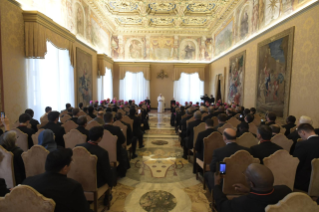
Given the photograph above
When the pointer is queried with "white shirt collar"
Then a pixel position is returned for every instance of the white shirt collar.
(312, 136)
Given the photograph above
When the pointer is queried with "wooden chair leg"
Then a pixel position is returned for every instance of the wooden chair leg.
(196, 170)
(204, 182)
(95, 202)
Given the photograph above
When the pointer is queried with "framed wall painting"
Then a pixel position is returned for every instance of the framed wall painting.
(84, 76)
(236, 78)
(274, 64)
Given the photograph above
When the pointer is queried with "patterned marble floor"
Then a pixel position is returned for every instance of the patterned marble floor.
(159, 179)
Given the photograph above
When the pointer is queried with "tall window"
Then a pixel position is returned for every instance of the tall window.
(50, 81)
(105, 85)
(134, 87)
(188, 88)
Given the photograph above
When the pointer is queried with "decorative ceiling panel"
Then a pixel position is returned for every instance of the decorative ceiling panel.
(162, 9)
(197, 9)
(122, 8)
(193, 22)
(129, 21)
(162, 22)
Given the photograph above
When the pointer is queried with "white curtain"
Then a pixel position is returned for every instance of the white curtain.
(105, 85)
(134, 87)
(50, 81)
(188, 88)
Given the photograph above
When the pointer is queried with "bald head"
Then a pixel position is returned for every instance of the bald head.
(229, 135)
(305, 120)
(197, 115)
(260, 177)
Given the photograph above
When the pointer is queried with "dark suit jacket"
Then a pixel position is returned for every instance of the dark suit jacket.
(294, 137)
(184, 126)
(34, 125)
(67, 193)
(58, 132)
(199, 145)
(305, 151)
(114, 130)
(263, 150)
(84, 131)
(92, 115)
(223, 152)
(3, 188)
(103, 167)
(28, 131)
(288, 127)
(249, 202)
(128, 132)
(219, 125)
(137, 131)
(209, 116)
(190, 132)
(74, 119)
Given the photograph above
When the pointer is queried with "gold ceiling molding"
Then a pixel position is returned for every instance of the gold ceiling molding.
(103, 62)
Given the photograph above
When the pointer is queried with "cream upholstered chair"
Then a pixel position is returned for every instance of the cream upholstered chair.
(282, 140)
(82, 113)
(121, 111)
(253, 128)
(35, 136)
(236, 165)
(124, 130)
(204, 115)
(6, 167)
(190, 120)
(128, 120)
(247, 140)
(24, 198)
(64, 118)
(83, 170)
(257, 120)
(63, 112)
(108, 143)
(313, 190)
(34, 160)
(283, 166)
(183, 116)
(44, 120)
(215, 119)
(22, 139)
(69, 125)
(293, 129)
(226, 125)
(233, 121)
(211, 142)
(91, 124)
(73, 138)
(294, 202)
(88, 118)
(199, 128)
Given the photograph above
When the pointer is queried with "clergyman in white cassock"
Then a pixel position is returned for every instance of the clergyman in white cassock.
(160, 100)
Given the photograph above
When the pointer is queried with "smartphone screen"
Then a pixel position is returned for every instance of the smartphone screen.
(139, 111)
(262, 120)
(241, 116)
(3, 114)
(222, 168)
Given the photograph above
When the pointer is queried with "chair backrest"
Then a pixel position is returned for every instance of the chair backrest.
(257, 120)
(73, 137)
(129, 121)
(293, 129)
(199, 128)
(282, 130)
(65, 118)
(236, 166)
(212, 142)
(34, 160)
(63, 112)
(35, 136)
(44, 119)
(283, 166)
(247, 140)
(83, 168)
(121, 111)
(313, 190)
(69, 125)
(91, 124)
(294, 202)
(123, 128)
(215, 119)
(222, 128)
(204, 115)
(88, 118)
(6, 167)
(22, 139)
(108, 142)
(189, 120)
(233, 121)
(82, 113)
(183, 116)
(283, 141)
(24, 198)
(253, 128)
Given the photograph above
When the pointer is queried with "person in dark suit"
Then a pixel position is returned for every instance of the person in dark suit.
(270, 119)
(179, 118)
(183, 127)
(290, 123)
(82, 122)
(81, 105)
(3, 188)
(24, 120)
(75, 113)
(91, 110)
(253, 111)
(210, 113)
(148, 101)
(189, 140)
(306, 151)
(265, 147)
(99, 117)
(103, 167)
(229, 136)
(137, 131)
(34, 123)
(9, 143)
(249, 118)
(121, 152)
(67, 193)
(275, 129)
(222, 118)
(242, 128)
(212, 99)
(55, 127)
(260, 194)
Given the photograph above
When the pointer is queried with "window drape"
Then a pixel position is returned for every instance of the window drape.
(105, 85)
(134, 87)
(50, 81)
(188, 88)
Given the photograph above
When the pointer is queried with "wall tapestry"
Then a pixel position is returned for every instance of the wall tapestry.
(274, 62)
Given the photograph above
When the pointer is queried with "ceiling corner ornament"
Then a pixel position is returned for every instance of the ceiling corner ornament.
(162, 74)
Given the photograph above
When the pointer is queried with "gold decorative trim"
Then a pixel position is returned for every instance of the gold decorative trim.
(85, 45)
(105, 58)
(132, 64)
(15, 3)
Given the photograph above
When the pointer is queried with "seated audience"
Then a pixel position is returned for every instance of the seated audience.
(99, 117)
(306, 151)
(6, 123)
(9, 143)
(91, 112)
(188, 141)
(229, 137)
(270, 119)
(24, 120)
(290, 123)
(249, 118)
(3, 188)
(103, 167)
(82, 122)
(179, 118)
(210, 113)
(253, 111)
(242, 128)
(46, 139)
(222, 118)
(260, 194)
(229, 113)
(137, 131)
(48, 109)
(183, 127)
(275, 129)
(75, 115)
(67, 193)
(265, 147)
(81, 106)
(34, 123)
(69, 109)
(55, 127)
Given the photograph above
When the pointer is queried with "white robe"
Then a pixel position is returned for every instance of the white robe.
(160, 101)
